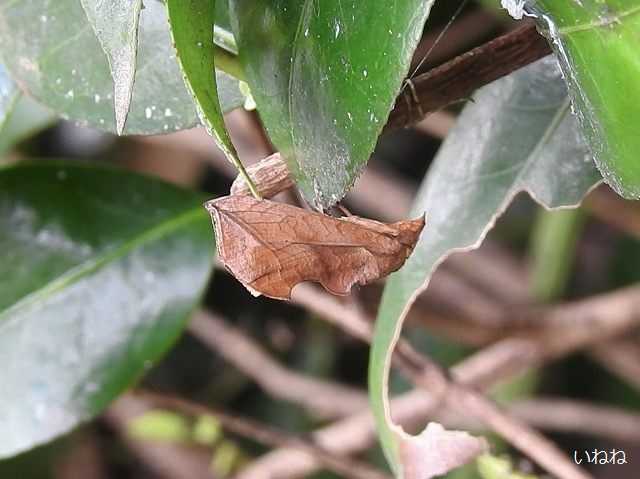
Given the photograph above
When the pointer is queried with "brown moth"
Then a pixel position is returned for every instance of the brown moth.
(271, 247)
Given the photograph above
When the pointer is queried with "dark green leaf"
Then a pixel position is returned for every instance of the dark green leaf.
(325, 75)
(192, 23)
(517, 135)
(99, 270)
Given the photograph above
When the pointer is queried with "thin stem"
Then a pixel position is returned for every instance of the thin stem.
(552, 253)
(247, 179)
(458, 78)
(267, 435)
(229, 63)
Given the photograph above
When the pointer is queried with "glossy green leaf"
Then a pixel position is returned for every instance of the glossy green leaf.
(192, 26)
(598, 42)
(52, 49)
(517, 135)
(115, 24)
(99, 270)
(325, 75)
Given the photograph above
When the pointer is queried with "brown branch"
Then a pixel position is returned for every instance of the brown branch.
(621, 358)
(322, 398)
(428, 375)
(611, 209)
(266, 435)
(461, 76)
(349, 435)
(563, 415)
(601, 318)
(547, 413)
(610, 315)
(357, 432)
(466, 31)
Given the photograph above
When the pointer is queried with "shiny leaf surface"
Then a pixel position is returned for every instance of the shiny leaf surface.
(99, 270)
(598, 44)
(325, 75)
(517, 135)
(115, 24)
(192, 25)
(52, 49)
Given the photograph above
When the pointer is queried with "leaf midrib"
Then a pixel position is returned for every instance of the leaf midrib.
(557, 119)
(599, 23)
(91, 265)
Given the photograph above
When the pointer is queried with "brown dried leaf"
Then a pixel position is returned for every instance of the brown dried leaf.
(271, 247)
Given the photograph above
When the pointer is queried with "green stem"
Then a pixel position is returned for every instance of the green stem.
(226, 60)
(229, 63)
(226, 53)
(552, 251)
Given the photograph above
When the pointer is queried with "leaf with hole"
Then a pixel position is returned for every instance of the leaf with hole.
(517, 135)
(99, 270)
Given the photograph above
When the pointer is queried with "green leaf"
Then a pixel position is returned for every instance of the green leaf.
(26, 118)
(9, 94)
(552, 252)
(192, 25)
(19, 115)
(597, 42)
(52, 49)
(517, 135)
(99, 270)
(325, 75)
(115, 24)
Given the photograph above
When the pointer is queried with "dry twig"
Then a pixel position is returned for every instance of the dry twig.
(579, 417)
(428, 375)
(266, 435)
(609, 315)
(331, 400)
(322, 398)
(621, 358)
(461, 76)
